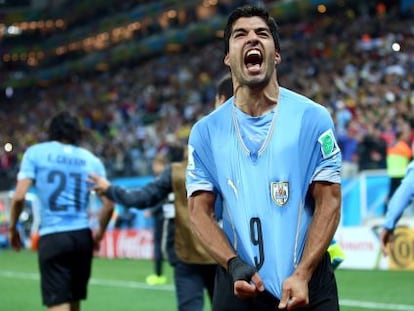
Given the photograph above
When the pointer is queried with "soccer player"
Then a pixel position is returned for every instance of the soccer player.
(399, 201)
(224, 92)
(59, 170)
(271, 156)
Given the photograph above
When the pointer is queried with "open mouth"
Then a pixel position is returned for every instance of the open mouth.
(253, 59)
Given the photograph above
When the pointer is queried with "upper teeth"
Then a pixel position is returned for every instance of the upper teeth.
(253, 52)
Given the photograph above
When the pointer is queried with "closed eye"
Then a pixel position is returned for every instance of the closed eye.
(263, 34)
(238, 34)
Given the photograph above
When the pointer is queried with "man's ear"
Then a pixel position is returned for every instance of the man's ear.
(278, 58)
(227, 60)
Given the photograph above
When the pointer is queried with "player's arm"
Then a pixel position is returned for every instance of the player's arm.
(324, 224)
(100, 184)
(17, 204)
(206, 229)
(322, 229)
(140, 198)
(104, 217)
(400, 200)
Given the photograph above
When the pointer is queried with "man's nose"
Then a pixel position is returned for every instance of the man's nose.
(252, 37)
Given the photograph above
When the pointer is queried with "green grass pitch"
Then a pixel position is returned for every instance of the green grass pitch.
(119, 284)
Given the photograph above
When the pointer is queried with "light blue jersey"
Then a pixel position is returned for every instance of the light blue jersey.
(263, 177)
(60, 173)
(401, 199)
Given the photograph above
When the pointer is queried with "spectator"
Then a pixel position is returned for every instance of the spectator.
(399, 155)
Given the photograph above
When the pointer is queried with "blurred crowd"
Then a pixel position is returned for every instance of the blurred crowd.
(357, 63)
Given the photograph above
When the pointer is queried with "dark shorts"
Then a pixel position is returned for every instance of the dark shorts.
(65, 261)
(323, 293)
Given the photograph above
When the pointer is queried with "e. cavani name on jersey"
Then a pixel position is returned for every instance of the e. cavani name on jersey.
(65, 160)
(66, 156)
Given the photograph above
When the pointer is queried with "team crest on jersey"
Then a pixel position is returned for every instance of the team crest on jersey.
(280, 192)
(328, 143)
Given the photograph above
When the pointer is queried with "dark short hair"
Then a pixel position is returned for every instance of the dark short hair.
(225, 86)
(65, 127)
(250, 11)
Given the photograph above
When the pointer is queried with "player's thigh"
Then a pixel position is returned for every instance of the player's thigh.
(53, 252)
(66, 257)
(82, 262)
(55, 268)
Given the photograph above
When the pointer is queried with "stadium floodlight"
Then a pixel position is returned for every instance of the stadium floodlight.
(13, 30)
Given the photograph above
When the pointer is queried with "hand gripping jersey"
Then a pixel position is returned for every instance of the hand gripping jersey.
(264, 186)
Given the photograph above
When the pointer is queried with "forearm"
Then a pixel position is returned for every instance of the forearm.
(321, 230)
(18, 201)
(122, 196)
(15, 211)
(209, 233)
(214, 240)
(398, 203)
(105, 216)
(144, 197)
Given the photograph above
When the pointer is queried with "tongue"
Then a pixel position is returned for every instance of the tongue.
(253, 67)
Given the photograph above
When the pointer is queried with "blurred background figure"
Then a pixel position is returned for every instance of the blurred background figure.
(399, 155)
(400, 200)
(58, 169)
(224, 90)
(157, 213)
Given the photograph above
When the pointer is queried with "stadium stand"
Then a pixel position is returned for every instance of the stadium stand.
(136, 98)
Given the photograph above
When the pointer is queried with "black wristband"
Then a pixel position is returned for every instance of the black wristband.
(239, 270)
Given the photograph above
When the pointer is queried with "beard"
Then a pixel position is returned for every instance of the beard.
(255, 82)
(260, 80)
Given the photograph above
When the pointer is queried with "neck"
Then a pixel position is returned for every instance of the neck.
(256, 101)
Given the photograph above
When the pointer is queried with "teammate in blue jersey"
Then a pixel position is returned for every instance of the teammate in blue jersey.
(59, 169)
(400, 200)
(271, 156)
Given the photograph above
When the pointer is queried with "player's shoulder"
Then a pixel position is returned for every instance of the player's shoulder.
(86, 153)
(220, 115)
(299, 101)
(40, 147)
(296, 98)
